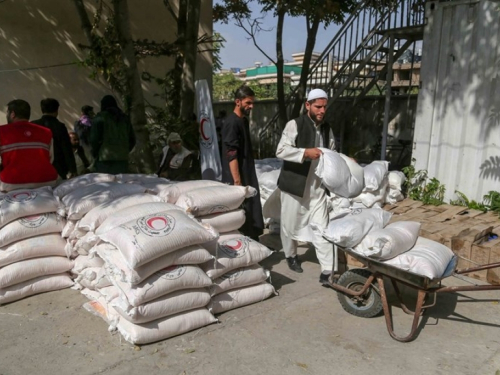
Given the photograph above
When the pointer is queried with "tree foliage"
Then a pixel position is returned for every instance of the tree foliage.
(316, 12)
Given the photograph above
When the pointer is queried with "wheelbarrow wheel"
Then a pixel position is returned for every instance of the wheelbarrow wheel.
(368, 304)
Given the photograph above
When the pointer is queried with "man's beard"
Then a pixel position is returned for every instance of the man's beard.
(246, 111)
(315, 118)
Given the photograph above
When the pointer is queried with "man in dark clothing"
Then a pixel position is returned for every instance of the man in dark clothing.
(64, 161)
(111, 138)
(219, 123)
(176, 161)
(238, 166)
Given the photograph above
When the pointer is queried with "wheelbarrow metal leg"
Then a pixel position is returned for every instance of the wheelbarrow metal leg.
(388, 313)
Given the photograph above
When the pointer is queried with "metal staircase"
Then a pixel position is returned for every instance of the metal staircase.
(359, 58)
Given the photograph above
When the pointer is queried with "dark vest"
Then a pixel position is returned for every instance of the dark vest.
(293, 176)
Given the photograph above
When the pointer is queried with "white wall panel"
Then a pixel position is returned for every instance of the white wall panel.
(457, 129)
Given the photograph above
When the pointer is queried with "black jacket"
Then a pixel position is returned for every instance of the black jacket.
(64, 160)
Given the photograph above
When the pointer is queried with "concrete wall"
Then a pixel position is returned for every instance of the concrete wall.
(458, 120)
(39, 46)
(357, 129)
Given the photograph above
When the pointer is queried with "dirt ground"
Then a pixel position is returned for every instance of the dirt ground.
(303, 330)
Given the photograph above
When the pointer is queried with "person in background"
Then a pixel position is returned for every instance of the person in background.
(111, 138)
(82, 128)
(238, 166)
(25, 150)
(64, 161)
(82, 163)
(176, 161)
(303, 198)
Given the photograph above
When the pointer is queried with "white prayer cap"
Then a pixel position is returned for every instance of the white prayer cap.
(316, 94)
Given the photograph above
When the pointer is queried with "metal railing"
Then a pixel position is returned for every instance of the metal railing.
(355, 60)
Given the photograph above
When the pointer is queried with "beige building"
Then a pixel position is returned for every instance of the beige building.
(39, 52)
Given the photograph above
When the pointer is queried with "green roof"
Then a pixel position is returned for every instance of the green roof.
(271, 69)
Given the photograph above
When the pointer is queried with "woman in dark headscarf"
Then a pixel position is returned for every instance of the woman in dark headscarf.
(111, 137)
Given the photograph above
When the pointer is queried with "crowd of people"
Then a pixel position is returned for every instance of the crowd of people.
(42, 152)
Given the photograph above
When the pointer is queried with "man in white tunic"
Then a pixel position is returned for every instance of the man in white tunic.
(303, 198)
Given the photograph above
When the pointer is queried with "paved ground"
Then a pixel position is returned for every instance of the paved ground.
(304, 330)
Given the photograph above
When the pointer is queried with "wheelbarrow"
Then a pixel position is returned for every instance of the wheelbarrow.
(361, 291)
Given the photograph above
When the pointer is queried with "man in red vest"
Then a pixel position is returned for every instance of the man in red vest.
(25, 150)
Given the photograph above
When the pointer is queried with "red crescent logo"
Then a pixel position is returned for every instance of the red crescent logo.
(202, 131)
(32, 218)
(154, 221)
(234, 245)
(21, 195)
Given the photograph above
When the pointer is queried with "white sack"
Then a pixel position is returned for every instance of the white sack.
(18, 272)
(68, 186)
(239, 278)
(26, 202)
(69, 228)
(117, 266)
(161, 283)
(81, 201)
(165, 328)
(94, 218)
(93, 278)
(269, 180)
(374, 174)
(31, 226)
(34, 286)
(386, 243)
(240, 297)
(133, 213)
(396, 180)
(214, 199)
(138, 178)
(172, 192)
(35, 247)
(149, 237)
(427, 258)
(225, 221)
(350, 230)
(371, 198)
(86, 261)
(272, 208)
(393, 196)
(155, 187)
(338, 206)
(109, 293)
(340, 174)
(170, 304)
(235, 253)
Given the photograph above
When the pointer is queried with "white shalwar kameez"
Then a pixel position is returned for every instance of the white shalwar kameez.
(297, 212)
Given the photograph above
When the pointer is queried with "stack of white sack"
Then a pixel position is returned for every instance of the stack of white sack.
(427, 258)
(157, 288)
(238, 279)
(394, 193)
(83, 236)
(376, 182)
(217, 205)
(88, 268)
(32, 256)
(76, 203)
(268, 172)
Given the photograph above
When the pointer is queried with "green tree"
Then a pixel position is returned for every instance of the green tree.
(224, 86)
(316, 12)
